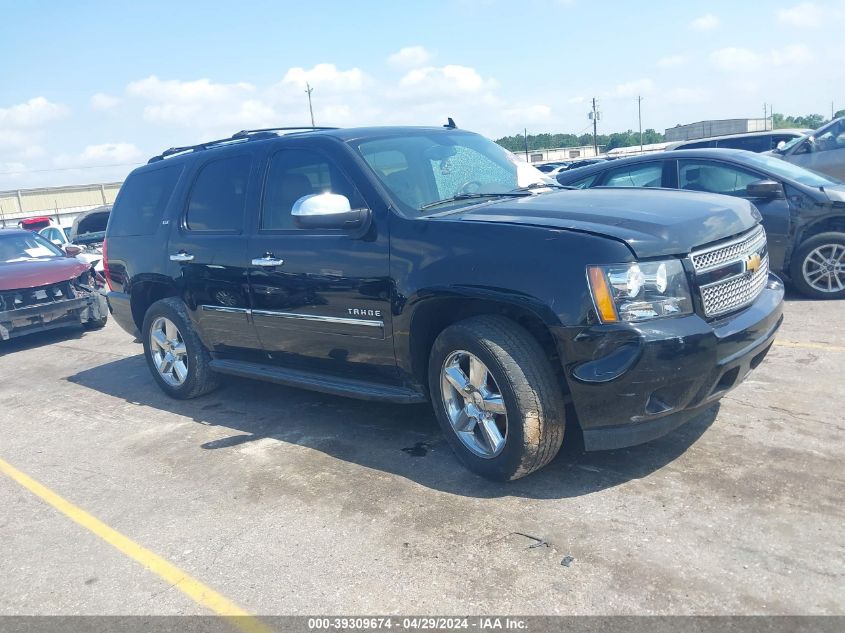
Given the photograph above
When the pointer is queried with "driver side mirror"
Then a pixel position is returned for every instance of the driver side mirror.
(72, 250)
(764, 189)
(327, 211)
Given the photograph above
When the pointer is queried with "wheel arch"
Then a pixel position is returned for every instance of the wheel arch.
(434, 312)
(145, 292)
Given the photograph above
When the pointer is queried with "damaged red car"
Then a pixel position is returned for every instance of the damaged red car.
(42, 287)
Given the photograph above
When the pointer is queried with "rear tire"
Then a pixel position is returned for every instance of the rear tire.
(818, 261)
(175, 355)
(513, 375)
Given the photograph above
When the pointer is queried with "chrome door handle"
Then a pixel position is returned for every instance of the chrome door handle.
(267, 261)
(181, 257)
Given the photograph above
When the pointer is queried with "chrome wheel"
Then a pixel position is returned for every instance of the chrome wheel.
(170, 356)
(474, 404)
(824, 268)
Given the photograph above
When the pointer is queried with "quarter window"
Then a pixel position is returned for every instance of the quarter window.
(218, 197)
(644, 175)
(293, 174)
(142, 200)
(695, 175)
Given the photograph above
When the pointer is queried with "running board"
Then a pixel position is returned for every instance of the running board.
(334, 385)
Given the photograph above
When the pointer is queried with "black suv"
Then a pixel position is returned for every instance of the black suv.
(407, 264)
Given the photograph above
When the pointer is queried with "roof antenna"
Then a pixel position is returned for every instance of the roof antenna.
(450, 124)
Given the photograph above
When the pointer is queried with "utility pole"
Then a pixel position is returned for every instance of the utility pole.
(525, 137)
(640, 119)
(594, 115)
(765, 118)
(309, 90)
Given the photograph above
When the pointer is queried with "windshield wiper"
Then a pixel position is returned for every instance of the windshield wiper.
(473, 196)
(542, 185)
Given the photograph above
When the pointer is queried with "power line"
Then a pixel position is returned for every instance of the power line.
(41, 171)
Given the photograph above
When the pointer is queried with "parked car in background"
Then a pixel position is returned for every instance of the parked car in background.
(584, 162)
(42, 287)
(822, 150)
(549, 167)
(803, 211)
(88, 232)
(749, 141)
(411, 264)
(36, 224)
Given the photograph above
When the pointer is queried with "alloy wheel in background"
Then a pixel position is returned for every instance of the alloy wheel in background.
(823, 268)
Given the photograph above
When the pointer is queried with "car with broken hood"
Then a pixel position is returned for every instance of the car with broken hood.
(42, 287)
(88, 232)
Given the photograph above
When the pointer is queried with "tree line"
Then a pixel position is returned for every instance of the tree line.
(629, 138)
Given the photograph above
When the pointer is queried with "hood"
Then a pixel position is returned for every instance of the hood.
(652, 222)
(41, 272)
(835, 193)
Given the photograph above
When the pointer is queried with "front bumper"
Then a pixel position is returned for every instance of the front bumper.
(47, 316)
(631, 383)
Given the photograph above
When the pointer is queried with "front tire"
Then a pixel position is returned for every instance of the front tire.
(496, 397)
(818, 266)
(175, 355)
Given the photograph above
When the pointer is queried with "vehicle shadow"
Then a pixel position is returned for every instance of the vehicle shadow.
(40, 339)
(404, 440)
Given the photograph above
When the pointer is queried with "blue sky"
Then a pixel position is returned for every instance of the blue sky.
(90, 88)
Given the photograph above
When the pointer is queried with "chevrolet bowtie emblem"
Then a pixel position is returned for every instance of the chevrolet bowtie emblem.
(753, 262)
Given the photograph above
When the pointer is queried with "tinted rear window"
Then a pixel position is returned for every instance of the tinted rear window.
(142, 200)
(219, 196)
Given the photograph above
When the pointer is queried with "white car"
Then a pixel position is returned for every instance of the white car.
(86, 233)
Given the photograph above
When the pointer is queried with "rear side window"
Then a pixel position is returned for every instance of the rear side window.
(142, 200)
(218, 196)
(749, 143)
(584, 183)
(643, 175)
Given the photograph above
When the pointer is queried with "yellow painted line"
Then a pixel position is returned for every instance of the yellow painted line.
(821, 346)
(167, 571)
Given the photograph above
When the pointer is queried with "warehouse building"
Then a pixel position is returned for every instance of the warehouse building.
(720, 127)
(61, 204)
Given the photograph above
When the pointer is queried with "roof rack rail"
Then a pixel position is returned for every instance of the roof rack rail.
(243, 135)
(299, 128)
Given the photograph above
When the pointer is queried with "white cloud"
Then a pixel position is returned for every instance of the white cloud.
(705, 22)
(672, 61)
(803, 15)
(445, 80)
(12, 169)
(634, 88)
(103, 101)
(538, 113)
(792, 55)
(743, 60)
(35, 112)
(102, 154)
(686, 95)
(200, 90)
(734, 59)
(326, 76)
(409, 57)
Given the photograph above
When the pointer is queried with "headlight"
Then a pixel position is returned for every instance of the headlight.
(639, 291)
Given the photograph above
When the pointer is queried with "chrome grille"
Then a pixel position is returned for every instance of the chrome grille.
(716, 256)
(740, 284)
(724, 296)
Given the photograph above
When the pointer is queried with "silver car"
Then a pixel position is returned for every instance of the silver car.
(822, 151)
